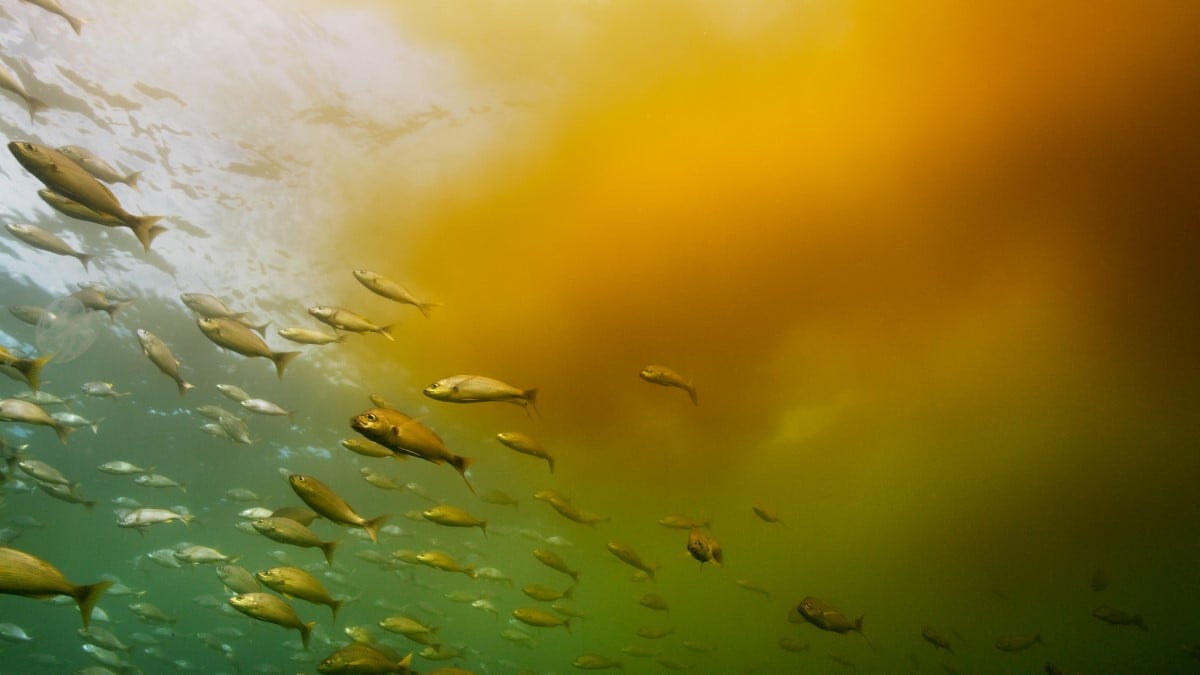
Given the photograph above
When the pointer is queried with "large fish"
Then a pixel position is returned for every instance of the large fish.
(402, 434)
(27, 369)
(266, 607)
(236, 337)
(288, 531)
(59, 173)
(478, 389)
(359, 658)
(526, 445)
(295, 582)
(383, 286)
(47, 241)
(326, 502)
(32, 577)
(16, 410)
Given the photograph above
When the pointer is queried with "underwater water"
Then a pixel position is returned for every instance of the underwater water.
(932, 269)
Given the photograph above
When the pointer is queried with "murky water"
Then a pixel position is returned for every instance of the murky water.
(931, 270)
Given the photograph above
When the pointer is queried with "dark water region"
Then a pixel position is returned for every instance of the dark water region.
(931, 270)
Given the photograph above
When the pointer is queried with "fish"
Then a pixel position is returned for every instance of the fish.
(160, 355)
(237, 338)
(102, 390)
(11, 632)
(43, 472)
(42, 398)
(234, 392)
(453, 517)
(288, 531)
(212, 307)
(936, 639)
(654, 601)
(753, 587)
(30, 314)
(678, 522)
(199, 555)
(405, 435)
(536, 617)
(791, 644)
(69, 494)
(265, 407)
(149, 613)
(478, 389)
(638, 651)
(54, 7)
(358, 658)
(369, 448)
(654, 632)
(699, 646)
(27, 575)
(525, 444)
(235, 428)
(499, 498)
(237, 578)
(824, 616)
(544, 594)
(10, 81)
(15, 410)
(1016, 643)
(326, 502)
(95, 300)
(98, 167)
(155, 480)
(343, 319)
(213, 412)
(669, 378)
(551, 560)
(295, 582)
(77, 421)
(29, 370)
(297, 513)
(441, 561)
(567, 509)
(242, 495)
(47, 241)
(631, 558)
(704, 548)
(268, 608)
(385, 287)
(1118, 617)
(593, 661)
(406, 626)
(103, 638)
(140, 519)
(307, 336)
(767, 514)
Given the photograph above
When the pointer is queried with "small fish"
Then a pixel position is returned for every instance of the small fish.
(140, 519)
(525, 444)
(43, 472)
(936, 639)
(288, 531)
(11, 632)
(1016, 643)
(753, 587)
(654, 632)
(297, 513)
(42, 398)
(669, 378)
(406, 626)
(654, 601)
(381, 285)
(640, 652)
(95, 300)
(478, 389)
(200, 555)
(826, 617)
(369, 448)
(55, 8)
(403, 434)
(77, 421)
(536, 617)
(453, 517)
(791, 644)
(631, 558)
(498, 497)
(98, 167)
(10, 81)
(295, 582)
(268, 608)
(155, 480)
(678, 522)
(30, 314)
(234, 392)
(103, 638)
(213, 412)
(102, 390)
(343, 319)
(265, 407)
(235, 428)
(593, 661)
(69, 494)
(361, 658)
(15, 410)
(47, 241)
(30, 576)
(441, 561)
(237, 578)
(545, 594)
(705, 548)
(1117, 617)
(551, 560)
(326, 502)
(567, 509)
(242, 495)
(306, 336)
(235, 337)
(160, 355)
(767, 514)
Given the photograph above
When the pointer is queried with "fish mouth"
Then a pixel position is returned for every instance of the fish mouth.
(357, 422)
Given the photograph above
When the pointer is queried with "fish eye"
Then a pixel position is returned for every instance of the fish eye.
(370, 417)
(806, 605)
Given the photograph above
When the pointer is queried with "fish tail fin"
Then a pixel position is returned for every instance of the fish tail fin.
(570, 592)
(187, 519)
(718, 557)
(460, 464)
(328, 547)
(691, 390)
(651, 569)
(530, 396)
(425, 307)
(567, 623)
(184, 385)
(483, 526)
(96, 425)
(132, 179)
(34, 106)
(372, 526)
(87, 596)
(76, 23)
(306, 632)
(84, 259)
(261, 328)
(858, 626)
(282, 359)
(404, 665)
(33, 371)
(146, 229)
(386, 331)
(550, 461)
(334, 607)
(112, 311)
(62, 430)
(90, 504)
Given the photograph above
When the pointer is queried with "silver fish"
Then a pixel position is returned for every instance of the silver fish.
(47, 241)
